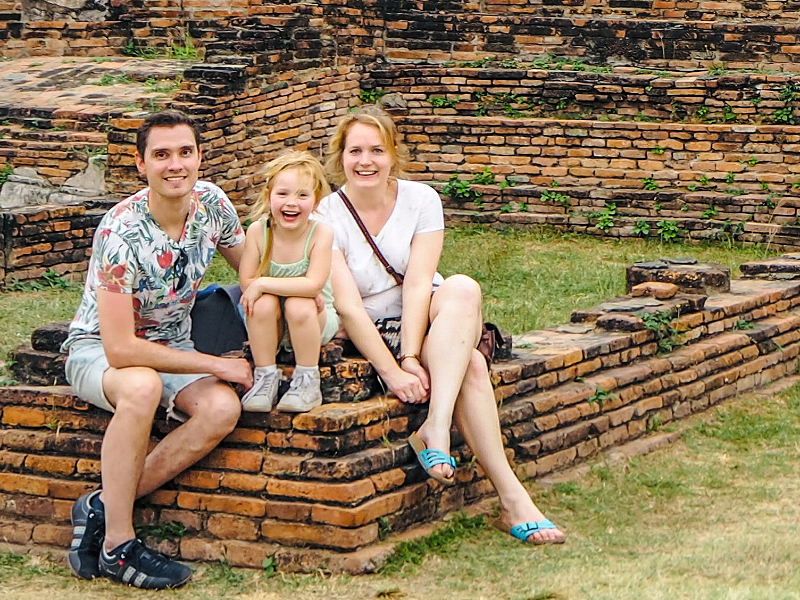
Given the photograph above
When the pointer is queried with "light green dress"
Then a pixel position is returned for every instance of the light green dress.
(298, 269)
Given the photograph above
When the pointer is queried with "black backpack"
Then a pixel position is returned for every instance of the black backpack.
(217, 325)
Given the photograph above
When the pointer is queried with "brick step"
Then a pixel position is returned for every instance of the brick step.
(36, 135)
(673, 44)
(542, 89)
(781, 10)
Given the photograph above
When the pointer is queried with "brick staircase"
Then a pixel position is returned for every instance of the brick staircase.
(326, 487)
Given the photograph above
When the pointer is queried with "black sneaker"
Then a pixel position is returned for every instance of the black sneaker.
(133, 563)
(88, 531)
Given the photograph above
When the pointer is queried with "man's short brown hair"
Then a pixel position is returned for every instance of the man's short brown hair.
(164, 118)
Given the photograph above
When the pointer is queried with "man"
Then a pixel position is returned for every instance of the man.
(130, 350)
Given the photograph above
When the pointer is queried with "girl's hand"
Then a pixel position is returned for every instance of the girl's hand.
(249, 297)
(320, 303)
(408, 386)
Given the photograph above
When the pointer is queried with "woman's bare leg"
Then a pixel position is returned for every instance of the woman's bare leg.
(455, 317)
(477, 418)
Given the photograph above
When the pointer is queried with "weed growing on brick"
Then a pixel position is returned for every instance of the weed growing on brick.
(661, 323)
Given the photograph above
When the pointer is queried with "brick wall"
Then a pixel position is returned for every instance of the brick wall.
(661, 9)
(47, 237)
(435, 37)
(624, 93)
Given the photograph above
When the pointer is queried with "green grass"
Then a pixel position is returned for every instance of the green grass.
(535, 279)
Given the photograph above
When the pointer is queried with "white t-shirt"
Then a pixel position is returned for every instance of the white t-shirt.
(418, 209)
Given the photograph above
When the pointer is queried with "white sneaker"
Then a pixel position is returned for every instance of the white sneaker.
(264, 392)
(303, 393)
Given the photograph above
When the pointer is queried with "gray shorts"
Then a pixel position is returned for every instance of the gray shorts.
(87, 363)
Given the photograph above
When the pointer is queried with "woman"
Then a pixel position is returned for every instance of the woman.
(437, 356)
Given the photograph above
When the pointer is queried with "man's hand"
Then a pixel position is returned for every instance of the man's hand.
(235, 370)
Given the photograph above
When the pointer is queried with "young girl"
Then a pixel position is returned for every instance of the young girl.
(285, 276)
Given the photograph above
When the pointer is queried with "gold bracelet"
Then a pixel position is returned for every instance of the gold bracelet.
(405, 356)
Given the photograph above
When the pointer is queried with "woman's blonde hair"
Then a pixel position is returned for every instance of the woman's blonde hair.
(369, 115)
(309, 166)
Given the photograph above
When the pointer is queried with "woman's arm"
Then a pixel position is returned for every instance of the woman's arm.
(426, 248)
(361, 330)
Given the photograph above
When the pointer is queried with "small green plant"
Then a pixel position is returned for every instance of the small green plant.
(649, 184)
(668, 231)
(107, 79)
(684, 207)
(270, 566)
(716, 69)
(752, 161)
(703, 179)
(477, 64)
(728, 114)
(710, 212)
(146, 52)
(384, 528)
(768, 203)
(510, 63)
(460, 191)
(764, 185)
(170, 530)
(641, 228)
(485, 177)
(796, 185)
(6, 172)
(657, 207)
(756, 100)
(744, 324)
(605, 218)
(692, 187)
(600, 397)
(658, 150)
(223, 575)
(371, 96)
(734, 191)
(163, 86)
(784, 115)
(186, 51)
(702, 112)
(662, 325)
(506, 208)
(729, 177)
(442, 102)
(654, 423)
(555, 198)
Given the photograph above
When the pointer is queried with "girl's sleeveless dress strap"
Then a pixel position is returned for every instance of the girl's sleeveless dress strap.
(308, 238)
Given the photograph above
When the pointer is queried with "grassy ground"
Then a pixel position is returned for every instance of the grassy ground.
(714, 516)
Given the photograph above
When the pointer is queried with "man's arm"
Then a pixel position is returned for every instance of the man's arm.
(124, 349)
(232, 255)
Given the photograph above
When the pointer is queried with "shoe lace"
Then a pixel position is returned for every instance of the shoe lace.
(151, 560)
(301, 380)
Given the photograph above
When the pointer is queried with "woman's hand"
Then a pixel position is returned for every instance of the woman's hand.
(409, 386)
(249, 297)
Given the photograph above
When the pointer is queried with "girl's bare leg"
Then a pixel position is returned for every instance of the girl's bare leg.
(263, 330)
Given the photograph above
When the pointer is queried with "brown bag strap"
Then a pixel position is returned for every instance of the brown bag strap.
(398, 277)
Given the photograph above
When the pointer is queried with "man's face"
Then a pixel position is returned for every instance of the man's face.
(171, 162)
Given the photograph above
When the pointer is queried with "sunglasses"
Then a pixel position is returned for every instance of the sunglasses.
(179, 270)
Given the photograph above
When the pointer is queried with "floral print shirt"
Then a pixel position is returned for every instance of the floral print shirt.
(131, 254)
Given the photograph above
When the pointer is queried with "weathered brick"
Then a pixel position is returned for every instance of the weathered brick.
(324, 536)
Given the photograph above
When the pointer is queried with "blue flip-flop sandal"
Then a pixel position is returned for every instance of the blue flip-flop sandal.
(431, 457)
(524, 530)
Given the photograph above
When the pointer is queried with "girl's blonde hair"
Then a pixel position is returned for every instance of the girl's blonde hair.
(309, 166)
(369, 115)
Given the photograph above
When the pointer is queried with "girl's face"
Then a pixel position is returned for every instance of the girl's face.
(292, 199)
(366, 160)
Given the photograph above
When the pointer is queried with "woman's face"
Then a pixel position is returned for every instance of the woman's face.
(366, 160)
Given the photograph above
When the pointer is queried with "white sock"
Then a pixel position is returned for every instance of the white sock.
(268, 370)
(311, 370)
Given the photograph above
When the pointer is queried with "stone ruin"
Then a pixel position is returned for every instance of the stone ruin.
(664, 119)
(674, 120)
